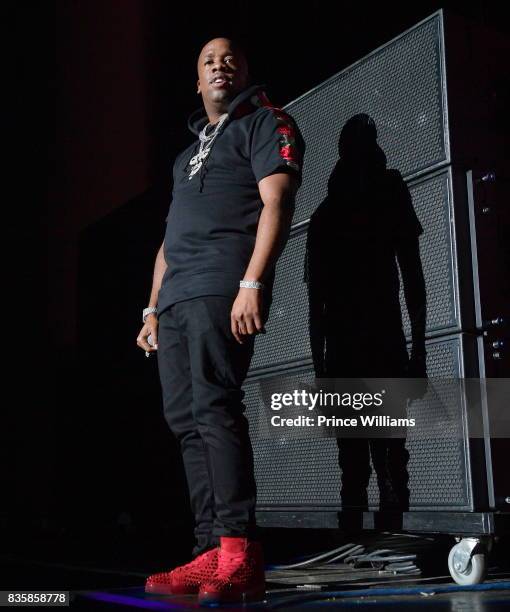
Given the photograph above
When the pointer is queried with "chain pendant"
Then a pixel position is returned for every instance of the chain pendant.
(197, 160)
(194, 170)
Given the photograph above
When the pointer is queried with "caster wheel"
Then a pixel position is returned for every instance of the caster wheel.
(465, 570)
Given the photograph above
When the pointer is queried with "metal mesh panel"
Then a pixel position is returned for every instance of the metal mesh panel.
(431, 201)
(291, 471)
(400, 86)
(287, 338)
(304, 471)
(437, 465)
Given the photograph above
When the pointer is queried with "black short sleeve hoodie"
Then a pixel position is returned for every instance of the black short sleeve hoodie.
(213, 216)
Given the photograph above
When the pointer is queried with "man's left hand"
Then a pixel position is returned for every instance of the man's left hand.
(246, 315)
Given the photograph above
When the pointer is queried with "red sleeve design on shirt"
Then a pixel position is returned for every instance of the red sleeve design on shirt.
(288, 149)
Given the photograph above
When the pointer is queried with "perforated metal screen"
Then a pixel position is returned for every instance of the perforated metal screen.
(304, 472)
(287, 337)
(400, 86)
(433, 205)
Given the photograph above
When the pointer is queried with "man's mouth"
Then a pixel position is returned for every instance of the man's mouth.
(221, 81)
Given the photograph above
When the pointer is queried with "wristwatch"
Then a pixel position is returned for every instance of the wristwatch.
(147, 311)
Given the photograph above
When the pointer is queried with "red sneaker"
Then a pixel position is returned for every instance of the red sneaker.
(186, 579)
(239, 576)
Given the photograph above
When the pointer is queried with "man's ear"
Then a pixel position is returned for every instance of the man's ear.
(198, 86)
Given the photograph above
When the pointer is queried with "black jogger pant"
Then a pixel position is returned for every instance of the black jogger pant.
(202, 368)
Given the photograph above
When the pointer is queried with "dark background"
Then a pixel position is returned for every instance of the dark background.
(87, 450)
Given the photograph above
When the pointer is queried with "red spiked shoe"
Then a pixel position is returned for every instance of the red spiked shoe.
(185, 579)
(239, 576)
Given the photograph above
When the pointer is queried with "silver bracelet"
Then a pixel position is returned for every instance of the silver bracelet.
(147, 311)
(251, 284)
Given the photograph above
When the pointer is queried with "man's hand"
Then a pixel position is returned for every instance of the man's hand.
(246, 314)
(150, 328)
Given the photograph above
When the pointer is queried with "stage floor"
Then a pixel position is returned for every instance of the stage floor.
(361, 592)
(97, 582)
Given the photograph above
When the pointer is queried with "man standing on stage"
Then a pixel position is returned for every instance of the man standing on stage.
(231, 210)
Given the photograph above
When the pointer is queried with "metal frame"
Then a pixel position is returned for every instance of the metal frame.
(444, 522)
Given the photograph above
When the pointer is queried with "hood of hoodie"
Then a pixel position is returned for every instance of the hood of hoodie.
(252, 96)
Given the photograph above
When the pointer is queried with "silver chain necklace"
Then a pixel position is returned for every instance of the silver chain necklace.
(206, 142)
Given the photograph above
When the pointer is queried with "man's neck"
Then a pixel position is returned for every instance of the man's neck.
(214, 112)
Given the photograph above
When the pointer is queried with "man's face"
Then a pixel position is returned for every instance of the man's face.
(222, 71)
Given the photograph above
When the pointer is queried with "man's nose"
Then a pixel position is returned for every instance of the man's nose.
(219, 65)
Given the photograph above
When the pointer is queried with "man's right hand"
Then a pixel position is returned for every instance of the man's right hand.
(150, 328)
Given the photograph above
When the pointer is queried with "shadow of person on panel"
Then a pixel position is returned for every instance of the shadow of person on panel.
(365, 226)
